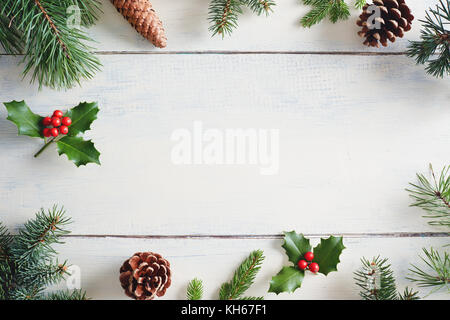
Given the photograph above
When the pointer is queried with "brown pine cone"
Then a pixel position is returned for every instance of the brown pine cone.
(395, 19)
(144, 19)
(145, 275)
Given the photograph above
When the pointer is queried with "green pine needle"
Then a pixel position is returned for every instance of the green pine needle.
(335, 10)
(66, 295)
(243, 277)
(195, 289)
(433, 49)
(409, 294)
(433, 196)
(436, 272)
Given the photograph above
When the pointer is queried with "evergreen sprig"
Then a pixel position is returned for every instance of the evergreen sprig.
(27, 263)
(195, 289)
(433, 196)
(223, 14)
(335, 10)
(55, 51)
(377, 282)
(434, 40)
(243, 277)
(436, 273)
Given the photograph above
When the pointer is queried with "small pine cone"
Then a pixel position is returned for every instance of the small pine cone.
(144, 19)
(394, 20)
(145, 275)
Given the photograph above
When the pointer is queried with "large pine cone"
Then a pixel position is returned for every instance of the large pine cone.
(395, 19)
(145, 275)
(144, 19)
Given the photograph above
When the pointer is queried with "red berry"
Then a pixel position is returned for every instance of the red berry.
(63, 130)
(46, 121)
(56, 122)
(54, 132)
(314, 267)
(58, 113)
(66, 121)
(46, 132)
(302, 264)
(309, 256)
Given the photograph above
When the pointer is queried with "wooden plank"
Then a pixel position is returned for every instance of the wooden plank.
(353, 132)
(187, 30)
(215, 260)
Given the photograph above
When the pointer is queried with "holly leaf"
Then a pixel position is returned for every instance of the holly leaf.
(27, 122)
(287, 280)
(78, 150)
(327, 253)
(82, 117)
(295, 245)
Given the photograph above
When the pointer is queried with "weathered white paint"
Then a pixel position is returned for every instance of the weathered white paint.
(354, 131)
(214, 261)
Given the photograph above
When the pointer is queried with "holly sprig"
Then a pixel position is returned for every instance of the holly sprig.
(73, 145)
(326, 255)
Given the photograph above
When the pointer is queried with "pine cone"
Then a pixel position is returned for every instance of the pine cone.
(395, 19)
(145, 275)
(144, 19)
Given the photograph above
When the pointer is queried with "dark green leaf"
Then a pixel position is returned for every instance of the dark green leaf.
(295, 245)
(327, 253)
(82, 116)
(27, 122)
(81, 152)
(287, 280)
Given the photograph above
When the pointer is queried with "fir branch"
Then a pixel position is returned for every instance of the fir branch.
(42, 274)
(259, 6)
(434, 40)
(438, 273)
(36, 238)
(335, 10)
(409, 294)
(5, 242)
(433, 196)
(317, 14)
(66, 295)
(376, 280)
(56, 53)
(223, 15)
(359, 4)
(243, 277)
(195, 289)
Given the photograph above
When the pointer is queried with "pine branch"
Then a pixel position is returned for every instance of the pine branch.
(259, 6)
(438, 273)
(42, 274)
(335, 9)
(195, 289)
(56, 53)
(66, 295)
(359, 4)
(433, 196)
(223, 15)
(243, 277)
(10, 38)
(376, 280)
(434, 40)
(36, 238)
(409, 294)
(5, 242)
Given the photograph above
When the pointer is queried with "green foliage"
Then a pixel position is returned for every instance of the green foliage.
(433, 48)
(436, 273)
(326, 254)
(27, 122)
(433, 196)
(78, 150)
(377, 282)
(335, 10)
(66, 295)
(56, 53)
(28, 262)
(195, 289)
(223, 14)
(243, 278)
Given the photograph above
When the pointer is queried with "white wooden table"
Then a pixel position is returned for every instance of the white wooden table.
(355, 126)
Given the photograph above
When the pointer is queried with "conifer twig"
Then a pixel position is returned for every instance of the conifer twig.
(195, 289)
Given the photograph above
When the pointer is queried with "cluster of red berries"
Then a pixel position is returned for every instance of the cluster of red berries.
(307, 264)
(56, 124)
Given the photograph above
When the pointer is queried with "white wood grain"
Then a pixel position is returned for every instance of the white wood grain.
(187, 30)
(354, 130)
(215, 260)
